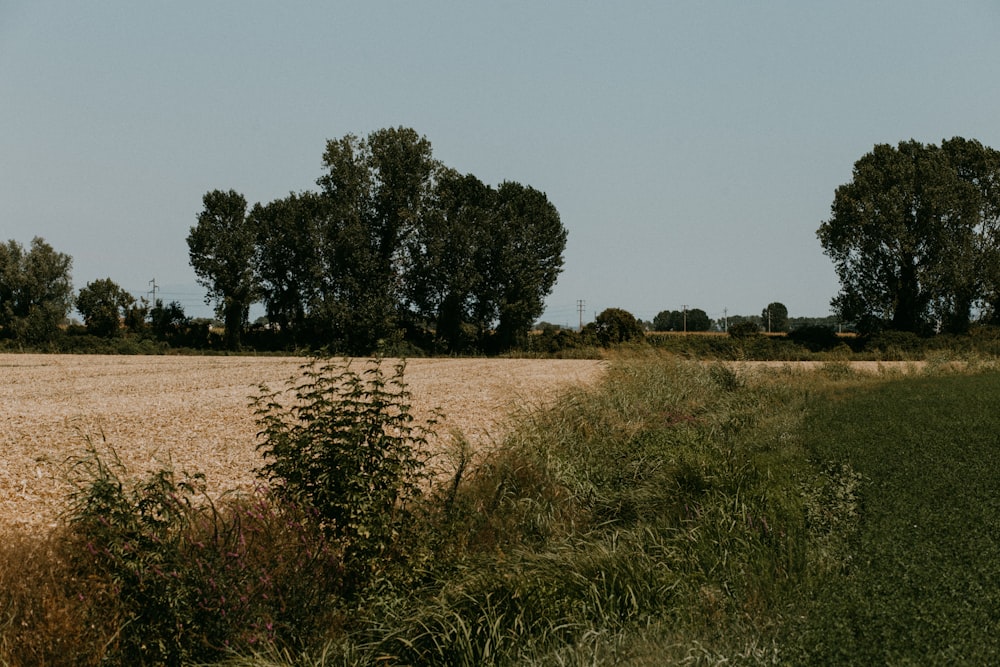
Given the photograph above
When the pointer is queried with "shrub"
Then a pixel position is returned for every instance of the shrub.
(744, 329)
(175, 578)
(348, 448)
(815, 338)
(895, 345)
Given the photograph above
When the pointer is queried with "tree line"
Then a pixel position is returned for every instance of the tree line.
(394, 247)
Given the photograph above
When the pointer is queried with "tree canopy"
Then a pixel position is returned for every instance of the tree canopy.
(36, 291)
(615, 325)
(775, 317)
(915, 237)
(396, 245)
(104, 305)
(692, 319)
(221, 248)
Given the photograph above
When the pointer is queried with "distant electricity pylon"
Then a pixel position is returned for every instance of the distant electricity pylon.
(153, 291)
(579, 308)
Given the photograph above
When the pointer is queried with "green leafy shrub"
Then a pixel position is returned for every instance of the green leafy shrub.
(349, 448)
(175, 578)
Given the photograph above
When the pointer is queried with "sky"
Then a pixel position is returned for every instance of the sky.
(691, 148)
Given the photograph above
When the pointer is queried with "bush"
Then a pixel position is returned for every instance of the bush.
(348, 448)
(173, 578)
(744, 329)
(815, 338)
(895, 345)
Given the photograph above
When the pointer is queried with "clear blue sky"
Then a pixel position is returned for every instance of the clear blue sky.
(692, 148)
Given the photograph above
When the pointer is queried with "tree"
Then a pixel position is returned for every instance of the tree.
(913, 235)
(288, 261)
(744, 328)
(221, 248)
(104, 305)
(668, 320)
(698, 320)
(168, 321)
(978, 276)
(694, 319)
(615, 325)
(775, 317)
(36, 291)
(443, 258)
(520, 257)
(376, 191)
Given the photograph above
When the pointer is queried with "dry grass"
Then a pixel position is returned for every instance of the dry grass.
(193, 412)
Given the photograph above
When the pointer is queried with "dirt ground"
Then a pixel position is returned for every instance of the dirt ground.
(194, 413)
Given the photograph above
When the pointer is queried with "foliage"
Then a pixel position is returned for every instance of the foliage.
(175, 578)
(104, 305)
(744, 329)
(221, 249)
(348, 448)
(694, 319)
(816, 338)
(775, 317)
(394, 244)
(36, 291)
(914, 236)
(613, 326)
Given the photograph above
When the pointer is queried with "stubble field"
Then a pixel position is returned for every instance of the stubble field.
(194, 413)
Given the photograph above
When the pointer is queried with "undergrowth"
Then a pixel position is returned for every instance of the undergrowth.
(675, 514)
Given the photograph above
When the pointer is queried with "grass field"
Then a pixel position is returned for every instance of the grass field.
(655, 512)
(922, 584)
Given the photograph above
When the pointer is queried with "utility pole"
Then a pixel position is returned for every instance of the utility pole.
(153, 291)
(685, 317)
(579, 308)
(725, 320)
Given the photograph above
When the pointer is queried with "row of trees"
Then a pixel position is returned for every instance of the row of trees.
(394, 244)
(773, 318)
(36, 297)
(915, 238)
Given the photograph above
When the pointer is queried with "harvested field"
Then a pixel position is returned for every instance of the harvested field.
(193, 412)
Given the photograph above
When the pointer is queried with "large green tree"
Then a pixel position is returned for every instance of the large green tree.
(104, 306)
(443, 272)
(520, 258)
(36, 291)
(911, 236)
(376, 192)
(288, 259)
(222, 248)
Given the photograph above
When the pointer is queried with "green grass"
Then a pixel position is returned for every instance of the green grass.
(922, 585)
